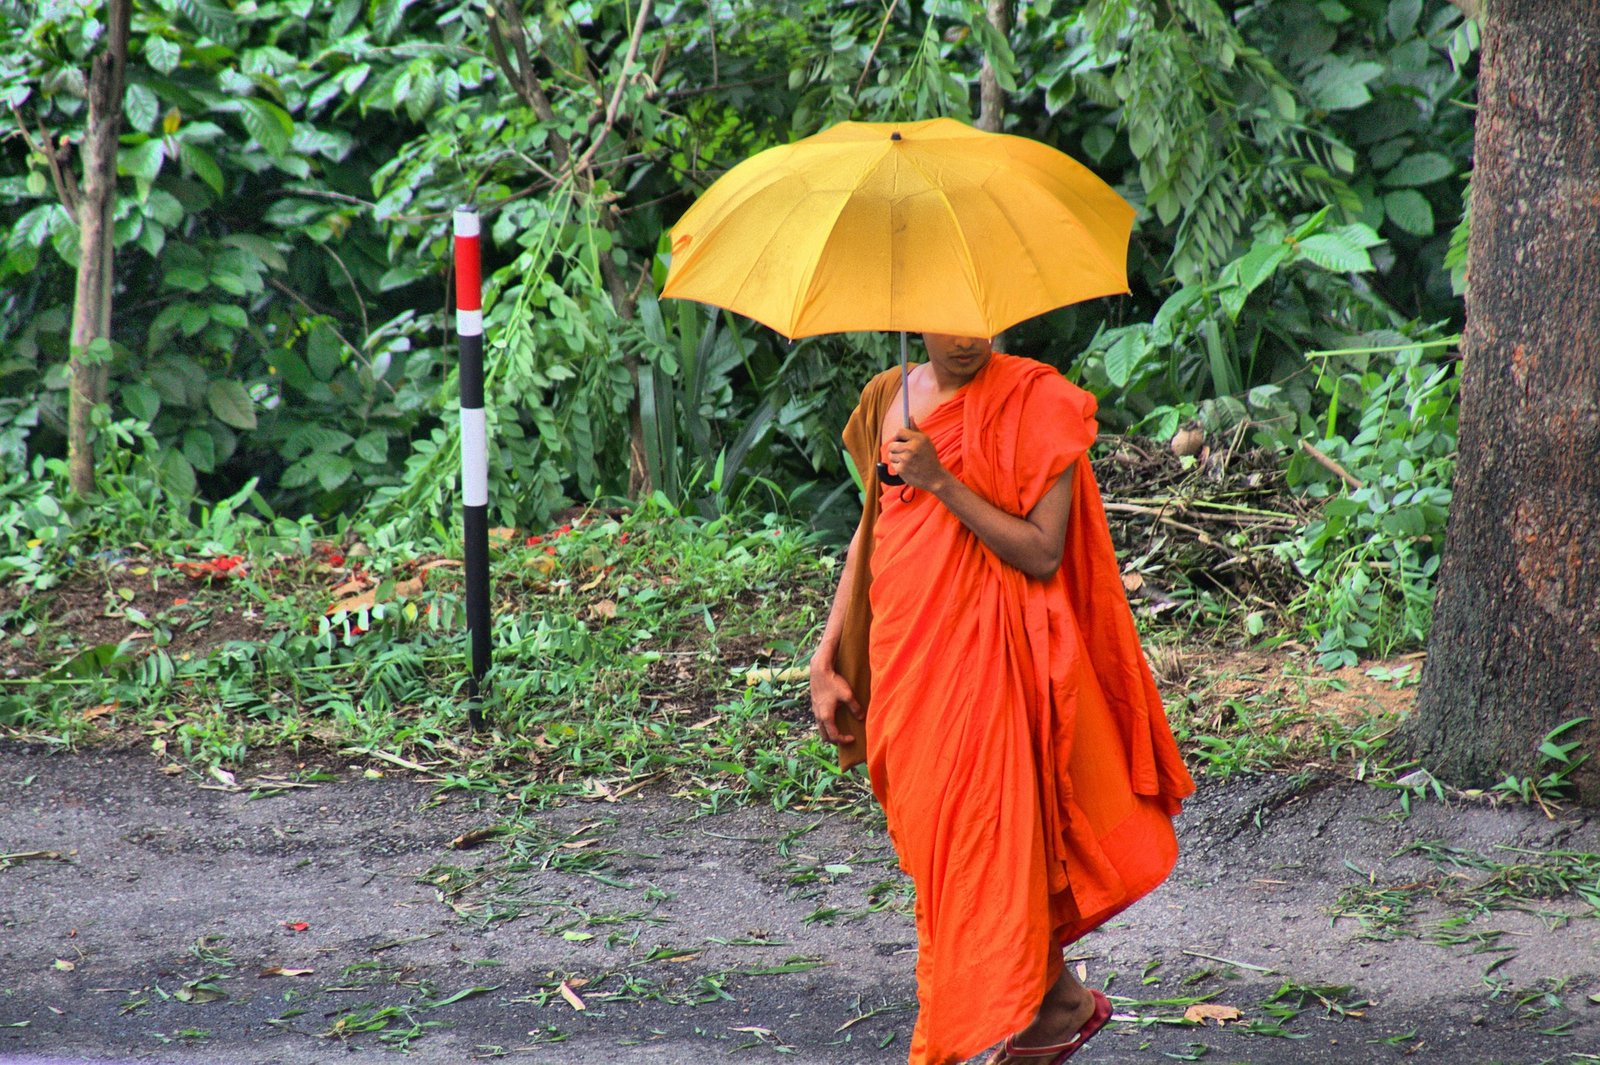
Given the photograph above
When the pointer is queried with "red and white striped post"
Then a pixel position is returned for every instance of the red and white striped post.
(474, 451)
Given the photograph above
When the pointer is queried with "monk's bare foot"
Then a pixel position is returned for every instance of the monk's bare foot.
(1066, 1008)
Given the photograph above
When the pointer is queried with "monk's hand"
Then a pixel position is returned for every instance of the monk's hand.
(829, 692)
(914, 458)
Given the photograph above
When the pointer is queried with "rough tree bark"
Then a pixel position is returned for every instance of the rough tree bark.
(1515, 645)
(91, 303)
(991, 99)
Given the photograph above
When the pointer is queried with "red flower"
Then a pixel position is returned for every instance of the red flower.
(549, 550)
(622, 539)
(335, 560)
(534, 541)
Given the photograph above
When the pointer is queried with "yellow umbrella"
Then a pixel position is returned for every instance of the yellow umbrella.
(930, 226)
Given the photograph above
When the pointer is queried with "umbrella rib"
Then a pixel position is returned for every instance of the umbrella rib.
(1073, 215)
(972, 274)
(803, 293)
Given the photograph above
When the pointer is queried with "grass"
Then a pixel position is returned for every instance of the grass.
(622, 644)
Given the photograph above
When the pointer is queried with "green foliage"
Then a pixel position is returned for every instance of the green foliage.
(288, 169)
(1232, 348)
(1373, 555)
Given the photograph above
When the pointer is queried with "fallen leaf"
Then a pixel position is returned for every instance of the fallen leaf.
(1201, 1012)
(369, 599)
(605, 608)
(100, 711)
(752, 677)
(578, 844)
(278, 970)
(572, 997)
(474, 837)
(64, 965)
(295, 926)
(501, 536)
(1132, 582)
(224, 776)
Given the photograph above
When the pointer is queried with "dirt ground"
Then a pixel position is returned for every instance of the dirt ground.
(146, 918)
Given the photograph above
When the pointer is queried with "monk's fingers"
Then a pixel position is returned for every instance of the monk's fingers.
(829, 728)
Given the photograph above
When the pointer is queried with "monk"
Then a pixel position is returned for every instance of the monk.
(1015, 737)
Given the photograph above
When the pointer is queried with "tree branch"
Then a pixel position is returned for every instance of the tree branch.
(622, 82)
(883, 28)
(66, 185)
(1330, 465)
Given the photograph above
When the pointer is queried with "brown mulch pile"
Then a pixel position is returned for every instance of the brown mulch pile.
(1208, 521)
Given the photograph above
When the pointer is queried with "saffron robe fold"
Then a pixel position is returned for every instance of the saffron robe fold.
(1014, 735)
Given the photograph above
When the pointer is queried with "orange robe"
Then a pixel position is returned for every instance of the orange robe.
(1015, 737)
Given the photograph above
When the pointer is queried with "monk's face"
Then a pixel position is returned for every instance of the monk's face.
(957, 359)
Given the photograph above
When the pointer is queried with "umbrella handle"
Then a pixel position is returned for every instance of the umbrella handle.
(885, 477)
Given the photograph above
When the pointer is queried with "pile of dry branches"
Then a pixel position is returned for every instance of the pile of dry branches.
(1204, 522)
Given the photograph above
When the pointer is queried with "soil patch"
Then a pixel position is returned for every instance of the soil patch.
(144, 918)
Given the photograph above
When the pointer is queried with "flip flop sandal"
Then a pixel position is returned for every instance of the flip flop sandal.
(1061, 1051)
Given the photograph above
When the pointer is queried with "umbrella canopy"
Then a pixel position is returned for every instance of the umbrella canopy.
(926, 226)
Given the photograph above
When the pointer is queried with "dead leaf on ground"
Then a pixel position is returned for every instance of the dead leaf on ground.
(278, 970)
(572, 997)
(100, 711)
(1201, 1012)
(369, 599)
(501, 535)
(1132, 582)
(605, 608)
(764, 675)
(474, 837)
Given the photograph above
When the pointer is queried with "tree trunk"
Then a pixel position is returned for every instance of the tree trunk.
(1515, 645)
(991, 101)
(91, 303)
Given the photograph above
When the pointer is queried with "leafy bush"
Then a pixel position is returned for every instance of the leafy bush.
(1373, 555)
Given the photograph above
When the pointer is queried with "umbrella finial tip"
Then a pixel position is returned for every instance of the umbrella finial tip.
(895, 135)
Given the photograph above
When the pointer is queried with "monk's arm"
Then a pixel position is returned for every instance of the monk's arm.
(828, 689)
(1032, 544)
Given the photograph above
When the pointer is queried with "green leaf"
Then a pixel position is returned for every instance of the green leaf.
(186, 277)
(176, 473)
(373, 447)
(32, 229)
(269, 124)
(163, 207)
(161, 54)
(1403, 16)
(142, 401)
(231, 404)
(1424, 168)
(1410, 210)
(142, 161)
(260, 248)
(323, 351)
(199, 161)
(1333, 253)
(1124, 356)
(211, 18)
(141, 107)
(332, 470)
(1260, 263)
(1097, 141)
(200, 449)
(230, 315)
(97, 661)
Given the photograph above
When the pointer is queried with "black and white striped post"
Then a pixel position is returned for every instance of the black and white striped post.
(474, 452)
